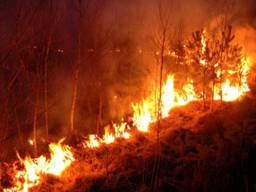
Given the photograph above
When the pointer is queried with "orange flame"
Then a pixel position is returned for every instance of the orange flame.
(145, 113)
(233, 92)
(119, 131)
(61, 157)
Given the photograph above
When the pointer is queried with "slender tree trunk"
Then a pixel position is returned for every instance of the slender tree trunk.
(46, 84)
(212, 99)
(204, 92)
(99, 121)
(76, 73)
(46, 58)
(221, 82)
(18, 125)
(35, 118)
(74, 101)
(156, 169)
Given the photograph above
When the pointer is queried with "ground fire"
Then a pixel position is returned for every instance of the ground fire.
(145, 113)
(189, 112)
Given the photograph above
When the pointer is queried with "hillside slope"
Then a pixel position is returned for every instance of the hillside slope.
(201, 150)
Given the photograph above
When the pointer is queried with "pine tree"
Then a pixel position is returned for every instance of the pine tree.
(199, 60)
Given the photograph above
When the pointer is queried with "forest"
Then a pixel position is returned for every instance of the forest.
(141, 95)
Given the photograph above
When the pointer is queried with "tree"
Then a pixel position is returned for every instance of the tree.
(199, 60)
(229, 59)
(212, 60)
(89, 50)
(161, 41)
(77, 67)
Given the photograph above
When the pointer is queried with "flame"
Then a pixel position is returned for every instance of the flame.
(233, 92)
(203, 47)
(110, 135)
(229, 92)
(203, 41)
(168, 96)
(142, 116)
(61, 157)
(188, 96)
(145, 112)
(93, 141)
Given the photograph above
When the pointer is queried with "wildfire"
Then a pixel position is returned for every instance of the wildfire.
(168, 97)
(144, 113)
(111, 134)
(93, 141)
(142, 116)
(61, 157)
(233, 92)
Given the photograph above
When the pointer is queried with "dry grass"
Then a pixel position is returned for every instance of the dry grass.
(200, 151)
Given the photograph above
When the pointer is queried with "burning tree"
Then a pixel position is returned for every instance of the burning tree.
(215, 64)
(199, 62)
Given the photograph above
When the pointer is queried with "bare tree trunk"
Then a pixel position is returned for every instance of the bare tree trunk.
(164, 20)
(204, 94)
(35, 118)
(18, 125)
(156, 169)
(99, 121)
(212, 98)
(74, 101)
(46, 85)
(46, 57)
(221, 82)
(76, 73)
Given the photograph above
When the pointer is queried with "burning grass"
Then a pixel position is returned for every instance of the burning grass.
(200, 151)
(123, 157)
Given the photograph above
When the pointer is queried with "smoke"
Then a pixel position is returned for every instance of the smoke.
(131, 64)
(119, 65)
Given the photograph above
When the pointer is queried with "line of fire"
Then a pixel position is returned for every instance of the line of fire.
(133, 95)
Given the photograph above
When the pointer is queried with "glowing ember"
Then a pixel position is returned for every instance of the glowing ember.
(61, 157)
(31, 142)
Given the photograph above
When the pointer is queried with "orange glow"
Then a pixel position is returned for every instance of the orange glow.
(61, 157)
(142, 116)
(233, 92)
(108, 137)
(118, 131)
(203, 49)
(145, 113)
(93, 141)
(168, 96)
